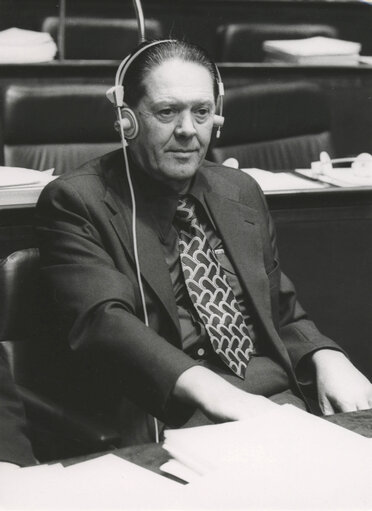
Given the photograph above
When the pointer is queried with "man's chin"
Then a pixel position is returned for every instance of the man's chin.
(184, 166)
(182, 172)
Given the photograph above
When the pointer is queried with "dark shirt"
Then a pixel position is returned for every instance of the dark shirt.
(162, 202)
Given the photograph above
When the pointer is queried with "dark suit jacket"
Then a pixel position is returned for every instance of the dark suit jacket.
(14, 445)
(84, 228)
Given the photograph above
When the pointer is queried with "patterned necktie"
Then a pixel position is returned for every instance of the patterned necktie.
(211, 293)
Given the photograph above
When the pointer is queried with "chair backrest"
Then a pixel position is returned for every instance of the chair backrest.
(100, 38)
(274, 126)
(242, 42)
(56, 125)
(24, 316)
(20, 312)
(40, 360)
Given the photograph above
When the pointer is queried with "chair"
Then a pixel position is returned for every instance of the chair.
(274, 126)
(242, 42)
(66, 416)
(56, 125)
(100, 38)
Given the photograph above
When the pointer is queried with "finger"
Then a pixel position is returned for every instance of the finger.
(365, 404)
(325, 406)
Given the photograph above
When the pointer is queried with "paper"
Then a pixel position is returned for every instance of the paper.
(287, 459)
(344, 177)
(17, 176)
(21, 187)
(22, 46)
(178, 469)
(281, 181)
(107, 482)
(365, 59)
(313, 46)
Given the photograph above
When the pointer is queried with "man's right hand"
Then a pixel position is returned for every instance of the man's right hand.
(218, 399)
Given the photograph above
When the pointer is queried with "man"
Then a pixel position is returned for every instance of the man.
(15, 447)
(178, 367)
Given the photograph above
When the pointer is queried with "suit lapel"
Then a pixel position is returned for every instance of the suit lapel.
(239, 230)
(154, 269)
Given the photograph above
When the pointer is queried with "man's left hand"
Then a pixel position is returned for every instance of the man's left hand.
(341, 387)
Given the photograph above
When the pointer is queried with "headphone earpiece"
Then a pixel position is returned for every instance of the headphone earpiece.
(218, 122)
(129, 123)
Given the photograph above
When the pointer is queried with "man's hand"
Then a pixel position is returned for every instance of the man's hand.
(341, 387)
(218, 399)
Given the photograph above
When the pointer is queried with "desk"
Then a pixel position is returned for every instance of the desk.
(325, 246)
(152, 456)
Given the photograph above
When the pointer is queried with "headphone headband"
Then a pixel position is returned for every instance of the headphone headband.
(116, 93)
(120, 73)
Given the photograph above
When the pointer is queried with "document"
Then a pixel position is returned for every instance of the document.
(313, 50)
(344, 177)
(282, 181)
(22, 187)
(17, 176)
(285, 459)
(18, 45)
(107, 482)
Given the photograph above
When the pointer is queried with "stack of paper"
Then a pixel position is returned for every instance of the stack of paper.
(105, 483)
(19, 186)
(281, 181)
(313, 50)
(344, 176)
(285, 459)
(18, 46)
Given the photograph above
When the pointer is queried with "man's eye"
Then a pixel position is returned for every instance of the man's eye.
(166, 114)
(202, 114)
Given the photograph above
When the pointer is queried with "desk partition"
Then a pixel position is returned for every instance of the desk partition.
(325, 246)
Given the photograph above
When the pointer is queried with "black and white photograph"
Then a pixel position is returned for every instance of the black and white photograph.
(185, 255)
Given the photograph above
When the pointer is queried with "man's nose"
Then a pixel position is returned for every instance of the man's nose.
(185, 124)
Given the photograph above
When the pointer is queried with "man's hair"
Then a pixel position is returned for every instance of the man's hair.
(134, 80)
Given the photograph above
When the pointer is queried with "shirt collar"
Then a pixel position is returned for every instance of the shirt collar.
(162, 200)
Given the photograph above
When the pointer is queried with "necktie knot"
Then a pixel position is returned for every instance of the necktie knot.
(185, 210)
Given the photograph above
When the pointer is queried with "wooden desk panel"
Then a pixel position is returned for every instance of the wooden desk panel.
(325, 246)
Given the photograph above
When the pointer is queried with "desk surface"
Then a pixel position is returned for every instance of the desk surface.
(152, 456)
(24, 197)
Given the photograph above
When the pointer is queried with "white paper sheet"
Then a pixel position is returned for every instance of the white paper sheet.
(22, 187)
(288, 460)
(282, 181)
(21, 177)
(344, 177)
(105, 483)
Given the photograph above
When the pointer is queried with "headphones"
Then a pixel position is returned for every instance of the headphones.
(361, 164)
(127, 123)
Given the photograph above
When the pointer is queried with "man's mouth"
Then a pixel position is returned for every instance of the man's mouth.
(182, 151)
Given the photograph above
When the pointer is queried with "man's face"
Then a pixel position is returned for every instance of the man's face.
(175, 118)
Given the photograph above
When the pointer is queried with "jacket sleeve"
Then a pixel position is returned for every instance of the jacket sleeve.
(298, 332)
(14, 444)
(98, 306)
